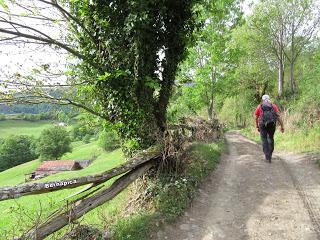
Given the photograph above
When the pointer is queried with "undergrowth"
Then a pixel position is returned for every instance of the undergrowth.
(169, 195)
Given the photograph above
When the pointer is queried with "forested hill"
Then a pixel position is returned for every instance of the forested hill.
(32, 108)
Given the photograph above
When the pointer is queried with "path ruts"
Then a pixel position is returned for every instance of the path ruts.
(246, 198)
(310, 197)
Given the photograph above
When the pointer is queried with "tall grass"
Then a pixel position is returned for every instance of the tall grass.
(293, 139)
(171, 194)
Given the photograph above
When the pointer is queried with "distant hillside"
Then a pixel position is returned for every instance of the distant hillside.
(34, 108)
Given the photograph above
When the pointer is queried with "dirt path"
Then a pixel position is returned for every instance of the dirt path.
(247, 198)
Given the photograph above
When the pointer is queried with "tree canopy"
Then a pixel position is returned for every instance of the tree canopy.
(16, 150)
(128, 54)
(53, 143)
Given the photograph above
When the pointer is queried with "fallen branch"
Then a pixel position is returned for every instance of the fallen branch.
(181, 126)
(83, 206)
(38, 188)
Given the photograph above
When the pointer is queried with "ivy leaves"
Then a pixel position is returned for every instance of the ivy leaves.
(123, 40)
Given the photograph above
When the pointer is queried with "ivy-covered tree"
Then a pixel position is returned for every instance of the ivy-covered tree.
(137, 47)
(128, 53)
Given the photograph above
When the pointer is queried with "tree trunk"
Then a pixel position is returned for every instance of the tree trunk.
(265, 86)
(281, 60)
(144, 72)
(280, 78)
(292, 85)
(292, 62)
(168, 77)
(211, 105)
(211, 101)
(210, 111)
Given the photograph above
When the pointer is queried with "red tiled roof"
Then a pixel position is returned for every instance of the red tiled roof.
(58, 165)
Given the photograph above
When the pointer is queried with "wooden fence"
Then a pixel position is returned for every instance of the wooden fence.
(96, 193)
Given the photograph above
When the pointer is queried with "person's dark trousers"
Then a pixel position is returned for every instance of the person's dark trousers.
(267, 133)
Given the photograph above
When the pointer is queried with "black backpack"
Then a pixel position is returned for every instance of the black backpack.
(269, 116)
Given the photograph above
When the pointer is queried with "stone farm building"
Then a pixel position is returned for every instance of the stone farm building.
(52, 167)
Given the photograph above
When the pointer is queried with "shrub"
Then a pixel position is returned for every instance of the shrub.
(108, 140)
(176, 192)
(79, 131)
(45, 116)
(16, 150)
(169, 194)
(86, 138)
(53, 143)
(2, 117)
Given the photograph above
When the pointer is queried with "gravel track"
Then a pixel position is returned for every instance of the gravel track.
(248, 198)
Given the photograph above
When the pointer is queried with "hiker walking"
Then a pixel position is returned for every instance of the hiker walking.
(266, 118)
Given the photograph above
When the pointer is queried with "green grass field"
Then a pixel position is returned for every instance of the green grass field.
(299, 140)
(20, 214)
(21, 127)
(81, 151)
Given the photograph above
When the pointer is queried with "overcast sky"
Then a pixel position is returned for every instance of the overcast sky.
(22, 58)
(247, 6)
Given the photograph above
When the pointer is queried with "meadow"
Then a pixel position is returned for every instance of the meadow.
(20, 214)
(21, 127)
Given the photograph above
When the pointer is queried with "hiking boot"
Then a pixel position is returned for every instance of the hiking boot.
(268, 158)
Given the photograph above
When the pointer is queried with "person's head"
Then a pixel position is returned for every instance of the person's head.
(266, 98)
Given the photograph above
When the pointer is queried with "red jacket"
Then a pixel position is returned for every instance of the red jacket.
(258, 112)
